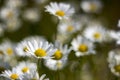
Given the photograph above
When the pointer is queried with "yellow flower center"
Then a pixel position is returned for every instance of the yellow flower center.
(93, 7)
(25, 49)
(9, 51)
(117, 68)
(25, 69)
(40, 53)
(97, 35)
(14, 76)
(70, 28)
(60, 13)
(83, 48)
(58, 55)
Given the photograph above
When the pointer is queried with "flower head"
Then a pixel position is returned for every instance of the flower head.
(61, 10)
(93, 6)
(26, 67)
(60, 57)
(41, 49)
(12, 75)
(114, 61)
(95, 33)
(82, 46)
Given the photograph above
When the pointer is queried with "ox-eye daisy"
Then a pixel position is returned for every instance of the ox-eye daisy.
(41, 49)
(26, 67)
(60, 57)
(114, 61)
(7, 13)
(92, 6)
(7, 50)
(70, 26)
(22, 48)
(95, 33)
(12, 75)
(82, 46)
(61, 10)
(33, 75)
(13, 24)
(115, 35)
(15, 3)
(31, 14)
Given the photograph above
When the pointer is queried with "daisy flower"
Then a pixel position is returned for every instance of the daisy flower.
(93, 6)
(15, 3)
(95, 33)
(12, 74)
(13, 24)
(115, 35)
(26, 67)
(61, 10)
(7, 49)
(7, 13)
(22, 48)
(41, 49)
(69, 26)
(114, 61)
(31, 15)
(33, 75)
(60, 57)
(82, 46)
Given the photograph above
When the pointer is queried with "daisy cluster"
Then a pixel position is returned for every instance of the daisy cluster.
(34, 57)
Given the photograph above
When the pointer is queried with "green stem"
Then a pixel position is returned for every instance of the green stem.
(39, 66)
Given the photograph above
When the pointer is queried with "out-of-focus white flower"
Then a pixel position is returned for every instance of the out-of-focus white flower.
(95, 33)
(15, 3)
(91, 6)
(114, 61)
(54, 64)
(61, 10)
(115, 35)
(119, 23)
(69, 26)
(82, 46)
(33, 75)
(60, 57)
(13, 24)
(41, 49)
(7, 13)
(14, 74)
(26, 67)
(7, 50)
(21, 49)
(31, 15)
